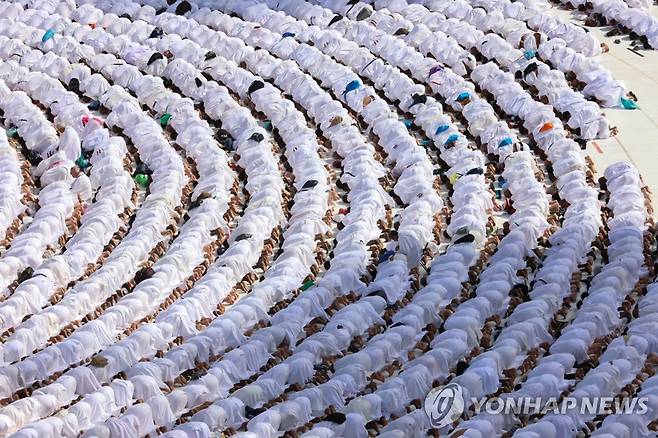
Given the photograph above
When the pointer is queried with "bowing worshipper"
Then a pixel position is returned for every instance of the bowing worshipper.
(55, 167)
(12, 206)
(255, 394)
(482, 376)
(392, 280)
(481, 425)
(223, 414)
(69, 144)
(354, 426)
(81, 185)
(332, 425)
(268, 422)
(139, 415)
(191, 430)
(301, 369)
(50, 427)
(411, 424)
(394, 397)
(315, 395)
(621, 425)
(541, 428)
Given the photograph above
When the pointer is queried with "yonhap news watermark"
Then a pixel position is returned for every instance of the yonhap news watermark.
(446, 404)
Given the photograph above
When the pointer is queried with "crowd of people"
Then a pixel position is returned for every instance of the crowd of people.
(290, 218)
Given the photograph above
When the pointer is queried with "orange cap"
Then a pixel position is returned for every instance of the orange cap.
(546, 127)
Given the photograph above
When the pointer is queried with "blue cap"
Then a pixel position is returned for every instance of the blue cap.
(506, 142)
(441, 128)
(451, 139)
(463, 95)
(355, 84)
(48, 35)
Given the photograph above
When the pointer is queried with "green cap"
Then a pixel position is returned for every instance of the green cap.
(164, 119)
(82, 162)
(142, 179)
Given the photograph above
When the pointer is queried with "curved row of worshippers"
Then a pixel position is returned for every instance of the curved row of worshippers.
(580, 226)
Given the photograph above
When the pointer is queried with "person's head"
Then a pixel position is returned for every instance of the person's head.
(461, 367)
(74, 85)
(336, 417)
(75, 171)
(183, 8)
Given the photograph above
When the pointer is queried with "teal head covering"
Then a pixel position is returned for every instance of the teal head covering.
(505, 142)
(267, 125)
(307, 285)
(48, 35)
(628, 103)
(82, 162)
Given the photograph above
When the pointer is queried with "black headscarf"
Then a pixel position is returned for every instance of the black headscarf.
(475, 171)
(257, 137)
(156, 33)
(183, 8)
(335, 19)
(418, 98)
(529, 69)
(255, 85)
(336, 417)
(74, 85)
(468, 238)
(155, 57)
(363, 14)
